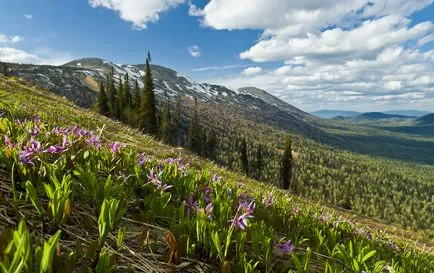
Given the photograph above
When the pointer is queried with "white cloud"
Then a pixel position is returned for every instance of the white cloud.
(358, 53)
(371, 36)
(217, 68)
(393, 78)
(425, 40)
(139, 12)
(251, 71)
(4, 39)
(28, 16)
(194, 51)
(13, 55)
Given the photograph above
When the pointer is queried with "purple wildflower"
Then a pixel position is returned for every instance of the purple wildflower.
(140, 159)
(33, 146)
(2, 113)
(94, 140)
(216, 178)
(240, 222)
(208, 211)
(115, 147)
(284, 248)
(191, 204)
(240, 184)
(8, 143)
(24, 157)
(295, 211)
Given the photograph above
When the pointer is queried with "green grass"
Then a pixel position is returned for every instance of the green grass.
(111, 214)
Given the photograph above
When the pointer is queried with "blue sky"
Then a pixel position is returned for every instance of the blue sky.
(340, 54)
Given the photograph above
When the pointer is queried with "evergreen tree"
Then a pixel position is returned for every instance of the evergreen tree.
(120, 102)
(176, 132)
(211, 144)
(136, 97)
(166, 127)
(127, 92)
(103, 101)
(148, 109)
(5, 70)
(259, 163)
(194, 131)
(286, 165)
(243, 156)
(111, 94)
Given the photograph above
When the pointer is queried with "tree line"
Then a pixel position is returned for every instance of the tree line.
(138, 108)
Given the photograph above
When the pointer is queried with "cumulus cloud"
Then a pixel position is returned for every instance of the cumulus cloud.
(5, 39)
(13, 55)
(139, 12)
(396, 76)
(217, 68)
(194, 51)
(28, 16)
(363, 53)
(370, 36)
(251, 71)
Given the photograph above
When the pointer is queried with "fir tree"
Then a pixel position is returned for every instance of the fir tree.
(243, 156)
(176, 132)
(120, 102)
(103, 101)
(127, 91)
(5, 70)
(286, 165)
(194, 131)
(211, 144)
(136, 97)
(166, 127)
(148, 109)
(111, 94)
(259, 163)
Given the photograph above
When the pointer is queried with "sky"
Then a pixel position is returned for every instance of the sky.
(363, 55)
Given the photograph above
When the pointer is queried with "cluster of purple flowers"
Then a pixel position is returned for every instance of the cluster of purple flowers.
(244, 211)
(115, 147)
(283, 248)
(157, 180)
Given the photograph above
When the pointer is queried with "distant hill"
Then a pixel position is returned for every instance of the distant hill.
(328, 114)
(409, 113)
(379, 115)
(426, 120)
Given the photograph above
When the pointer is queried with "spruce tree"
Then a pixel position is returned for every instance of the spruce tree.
(5, 70)
(120, 102)
(166, 127)
(111, 93)
(259, 163)
(103, 101)
(176, 131)
(148, 109)
(127, 91)
(136, 97)
(286, 165)
(243, 156)
(194, 131)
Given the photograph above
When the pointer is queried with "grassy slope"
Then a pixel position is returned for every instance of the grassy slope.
(61, 112)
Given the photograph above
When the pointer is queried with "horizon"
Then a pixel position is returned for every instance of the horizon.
(367, 57)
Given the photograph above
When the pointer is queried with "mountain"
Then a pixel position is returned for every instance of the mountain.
(409, 113)
(379, 115)
(426, 120)
(328, 114)
(78, 81)
(272, 100)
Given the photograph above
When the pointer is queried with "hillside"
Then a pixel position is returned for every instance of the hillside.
(321, 238)
(78, 81)
(334, 113)
(426, 120)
